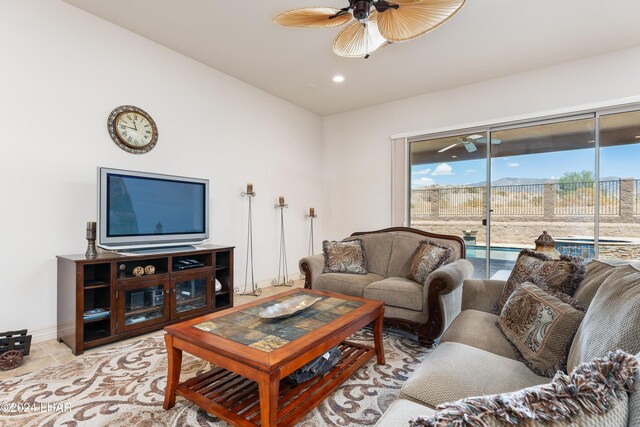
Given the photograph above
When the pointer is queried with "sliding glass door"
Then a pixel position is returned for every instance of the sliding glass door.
(575, 178)
(448, 190)
(619, 216)
(542, 180)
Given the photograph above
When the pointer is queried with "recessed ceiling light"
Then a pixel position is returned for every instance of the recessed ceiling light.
(338, 78)
(454, 157)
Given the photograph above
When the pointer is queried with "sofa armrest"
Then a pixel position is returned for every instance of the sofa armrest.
(450, 276)
(442, 291)
(311, 267)
(481, 295)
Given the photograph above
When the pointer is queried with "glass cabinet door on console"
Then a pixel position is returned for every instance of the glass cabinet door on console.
(192, 294)
(143, 304)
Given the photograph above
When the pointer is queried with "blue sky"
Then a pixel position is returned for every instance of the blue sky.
(620, 161)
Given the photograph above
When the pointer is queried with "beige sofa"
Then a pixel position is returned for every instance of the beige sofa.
(475, 359)
(424, 309)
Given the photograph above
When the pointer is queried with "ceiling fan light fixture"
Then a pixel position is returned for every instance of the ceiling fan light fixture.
(359, 39)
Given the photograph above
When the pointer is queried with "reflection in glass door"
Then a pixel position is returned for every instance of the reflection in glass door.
(542, 179)
(448, 190)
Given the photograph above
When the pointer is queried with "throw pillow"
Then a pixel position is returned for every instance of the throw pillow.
(541, 328)
(560, 275)
(344, 257)
(429, 257)
(594, 394)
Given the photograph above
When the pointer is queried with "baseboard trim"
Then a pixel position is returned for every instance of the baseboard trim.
(44, 334)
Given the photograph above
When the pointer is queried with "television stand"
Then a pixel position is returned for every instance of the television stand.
(160, 250)
(105, 299)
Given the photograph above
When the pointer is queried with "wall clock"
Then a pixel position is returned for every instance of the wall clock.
(132, 129)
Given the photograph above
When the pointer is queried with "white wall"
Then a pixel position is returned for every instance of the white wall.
(62, 72)
(357, 148)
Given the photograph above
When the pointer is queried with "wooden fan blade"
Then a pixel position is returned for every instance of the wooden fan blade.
(412, 20)
(357, 40)
(312, 17)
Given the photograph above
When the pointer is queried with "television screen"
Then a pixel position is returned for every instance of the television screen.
(139, 208)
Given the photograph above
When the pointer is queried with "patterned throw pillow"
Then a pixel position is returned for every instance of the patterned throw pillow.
(559, 275)
(429, 256)
(595, 394)
(541, 328)
(344, 257)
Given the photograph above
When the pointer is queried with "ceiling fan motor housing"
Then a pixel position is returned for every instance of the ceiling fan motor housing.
(361, 9)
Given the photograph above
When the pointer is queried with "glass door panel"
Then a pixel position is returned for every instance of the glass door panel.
(619, 224)
(144, 304)
(542, 179)
(191, 294)
(448, 190)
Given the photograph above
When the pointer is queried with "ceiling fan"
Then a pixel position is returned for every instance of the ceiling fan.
(378, 22)
(470, 141)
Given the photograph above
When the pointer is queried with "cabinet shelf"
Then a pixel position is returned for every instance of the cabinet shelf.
(94, 320)
(96, 285)
(143, 310)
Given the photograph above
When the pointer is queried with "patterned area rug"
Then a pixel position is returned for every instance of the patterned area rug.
(125, 386)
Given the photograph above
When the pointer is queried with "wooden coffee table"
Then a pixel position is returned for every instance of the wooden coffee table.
(252, 357)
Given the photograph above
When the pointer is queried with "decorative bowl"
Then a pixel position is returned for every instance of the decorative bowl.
(289, 307)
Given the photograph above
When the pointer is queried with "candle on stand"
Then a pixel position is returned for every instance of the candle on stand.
(91, 230)
(249, 188)
(281, 200)
(312, 211)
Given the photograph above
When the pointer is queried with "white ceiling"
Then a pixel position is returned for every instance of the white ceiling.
(486, 39)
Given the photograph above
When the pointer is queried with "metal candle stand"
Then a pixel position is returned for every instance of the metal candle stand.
(282, 263)
(255, 290)
(312, 217)
(311, 251)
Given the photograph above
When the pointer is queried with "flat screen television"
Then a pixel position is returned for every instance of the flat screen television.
(144, 210)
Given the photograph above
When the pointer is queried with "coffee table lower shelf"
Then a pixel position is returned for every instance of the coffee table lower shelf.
(235, 398)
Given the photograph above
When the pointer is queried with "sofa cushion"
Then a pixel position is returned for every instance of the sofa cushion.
(454, 371)
(541, 327)
(478, 329)
(396, 292)
(403, 249)
(612, 320)
(401, 412)
(594, 394)
(347, 284)
(559, 275)
(429, 256)
(597, 273)
(377, 246)
(344, 257)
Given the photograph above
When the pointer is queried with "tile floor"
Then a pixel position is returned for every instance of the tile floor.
(52, 353)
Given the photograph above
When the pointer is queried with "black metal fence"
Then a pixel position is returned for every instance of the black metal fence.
(577, 198)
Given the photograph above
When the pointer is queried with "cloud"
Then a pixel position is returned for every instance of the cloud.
(553, 177)
(443, 169)
(471, 171)
(425, 181)
(421, 172)
(512, 165)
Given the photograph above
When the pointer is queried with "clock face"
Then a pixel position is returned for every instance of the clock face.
(132, 129)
